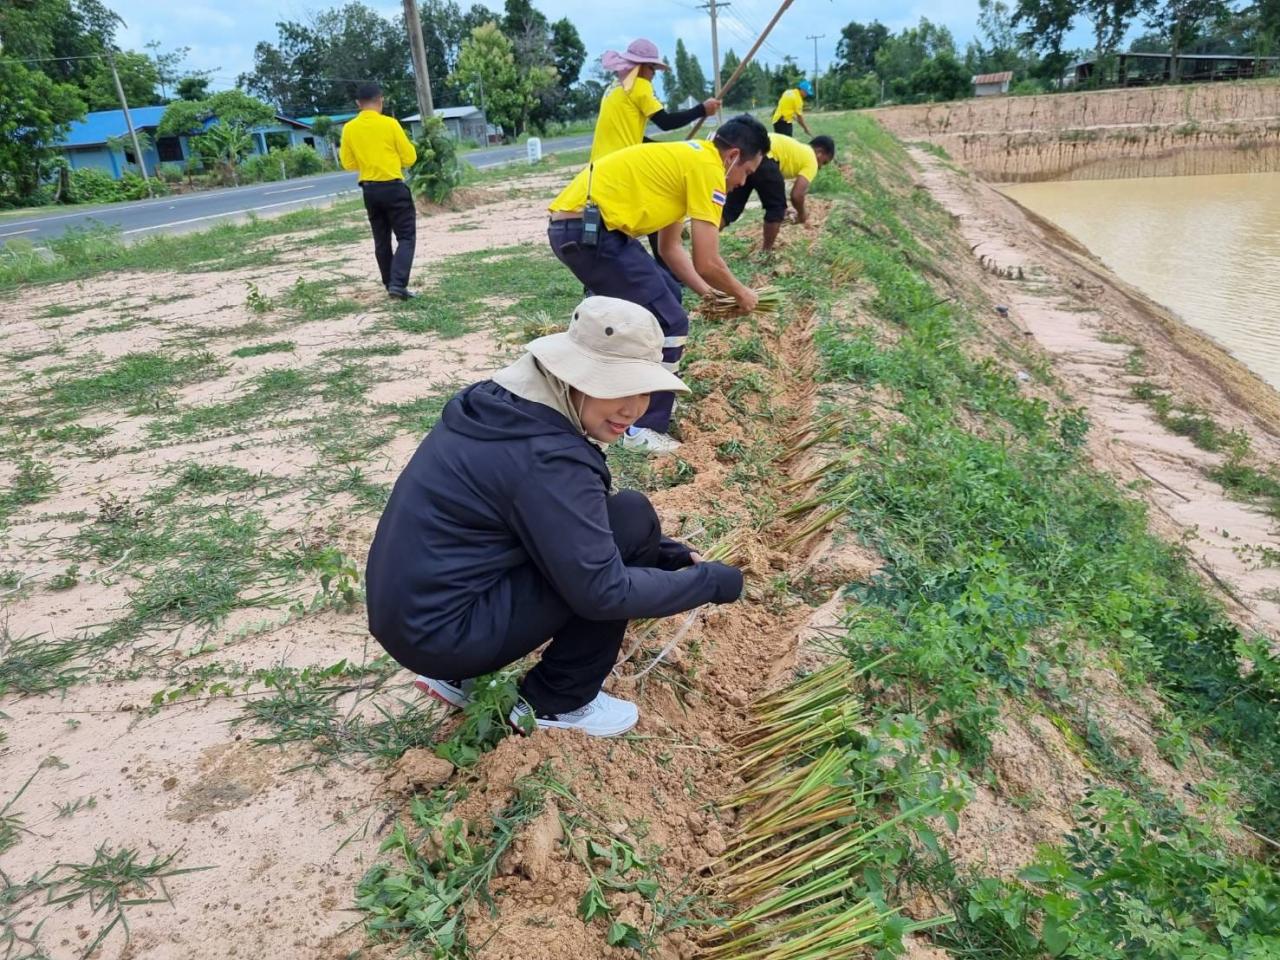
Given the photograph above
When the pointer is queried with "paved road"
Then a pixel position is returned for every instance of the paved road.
(194, 211)
(496, 156)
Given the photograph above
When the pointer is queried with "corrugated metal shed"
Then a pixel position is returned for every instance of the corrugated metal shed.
(1003, 77)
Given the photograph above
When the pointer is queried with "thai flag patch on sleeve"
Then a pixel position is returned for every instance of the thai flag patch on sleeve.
(717, 197)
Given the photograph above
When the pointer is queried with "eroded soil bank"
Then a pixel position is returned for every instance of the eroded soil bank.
(1104, 135)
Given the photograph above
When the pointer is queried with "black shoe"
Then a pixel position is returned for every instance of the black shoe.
(400, 293)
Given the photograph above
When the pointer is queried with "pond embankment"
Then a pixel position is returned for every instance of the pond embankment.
(1106, 134)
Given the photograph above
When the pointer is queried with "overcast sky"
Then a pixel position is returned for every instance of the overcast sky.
(222, 35)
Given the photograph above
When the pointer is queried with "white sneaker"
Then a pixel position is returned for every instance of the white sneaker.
(642, 438)
(605, 716)
(454, 694)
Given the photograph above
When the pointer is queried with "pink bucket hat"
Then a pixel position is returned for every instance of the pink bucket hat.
(637, 52)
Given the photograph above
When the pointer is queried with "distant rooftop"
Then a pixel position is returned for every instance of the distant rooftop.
(1000, 77)
(335, 117)
(101, 125)
(446, 113)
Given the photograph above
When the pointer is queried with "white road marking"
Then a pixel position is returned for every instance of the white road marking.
(141, 204)
(230, 213)
(14, 233)
(290, 190)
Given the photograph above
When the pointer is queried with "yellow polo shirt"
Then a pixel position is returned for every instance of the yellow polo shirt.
(376, 146)
(795, 159)
(789, 104)
(623, 115)
(643, 188)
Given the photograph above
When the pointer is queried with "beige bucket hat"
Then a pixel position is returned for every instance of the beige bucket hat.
(613, 348)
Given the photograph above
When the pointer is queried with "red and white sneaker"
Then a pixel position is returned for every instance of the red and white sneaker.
(454, 693)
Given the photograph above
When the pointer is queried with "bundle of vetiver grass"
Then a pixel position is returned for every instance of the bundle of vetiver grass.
(719, 305)
(804, 831)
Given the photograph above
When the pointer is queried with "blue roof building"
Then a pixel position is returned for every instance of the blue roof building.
(101, 140)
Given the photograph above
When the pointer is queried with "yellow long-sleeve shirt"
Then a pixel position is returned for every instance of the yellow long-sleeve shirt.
(377, 147)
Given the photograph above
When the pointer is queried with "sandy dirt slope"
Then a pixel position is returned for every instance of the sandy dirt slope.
(276, 845)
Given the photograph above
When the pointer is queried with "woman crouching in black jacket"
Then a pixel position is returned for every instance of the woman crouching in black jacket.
(501, 532)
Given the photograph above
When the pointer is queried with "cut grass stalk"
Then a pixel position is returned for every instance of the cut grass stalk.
(719, 305)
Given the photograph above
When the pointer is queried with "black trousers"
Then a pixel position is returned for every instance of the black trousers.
(582, 652)
(390, 207)
(619, 267)
(783, 127)
(769, 185)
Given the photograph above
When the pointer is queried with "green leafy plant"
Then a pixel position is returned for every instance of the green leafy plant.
(435, 173)
(442, 875)
(485, 721)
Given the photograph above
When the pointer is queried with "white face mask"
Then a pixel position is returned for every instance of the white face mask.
(729, 169)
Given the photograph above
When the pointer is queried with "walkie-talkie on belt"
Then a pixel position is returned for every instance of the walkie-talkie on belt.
(590, 216)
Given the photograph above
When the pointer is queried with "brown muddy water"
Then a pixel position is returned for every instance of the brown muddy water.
(1206, 247)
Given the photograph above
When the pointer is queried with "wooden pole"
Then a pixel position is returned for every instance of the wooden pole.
(728, 84)
(418, 51)
(128, 120)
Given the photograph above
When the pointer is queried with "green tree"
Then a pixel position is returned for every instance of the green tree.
(225, 145)
(1044, 25)
(313, 67)
(668, 77)
(510, 93)
(527, 29)
(166, 65)
(902, 54)
(138, 77)
(194, 87)
(219, 126)
(690, 81)
(857, 47)
(435, 173)
(730, 63)
(34, 110)
(939, 78)
(1181, 23)
(568, 51)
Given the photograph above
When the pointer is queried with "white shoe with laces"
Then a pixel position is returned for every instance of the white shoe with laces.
(642, 438)
(605, 716)
(454, 694)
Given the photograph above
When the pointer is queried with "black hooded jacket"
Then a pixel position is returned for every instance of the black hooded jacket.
(501, 482)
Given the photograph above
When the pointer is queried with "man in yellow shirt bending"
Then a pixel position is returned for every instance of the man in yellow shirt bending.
(791, 108)
(651, 188)
(629, 104)
(377, 147)
(788, 160)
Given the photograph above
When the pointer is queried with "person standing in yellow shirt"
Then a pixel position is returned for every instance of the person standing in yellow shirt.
(791, 108)
(651, 188)
(377, 147)
(788, 160)
(629, 104)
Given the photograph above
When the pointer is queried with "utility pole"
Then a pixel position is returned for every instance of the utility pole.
(711, 6)
(815, 38)
(418, 50)
(128, 119)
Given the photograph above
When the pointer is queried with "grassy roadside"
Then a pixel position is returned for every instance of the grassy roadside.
(1012, 572)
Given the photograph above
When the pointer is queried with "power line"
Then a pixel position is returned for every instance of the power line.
(86, 56)
(753, 31)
